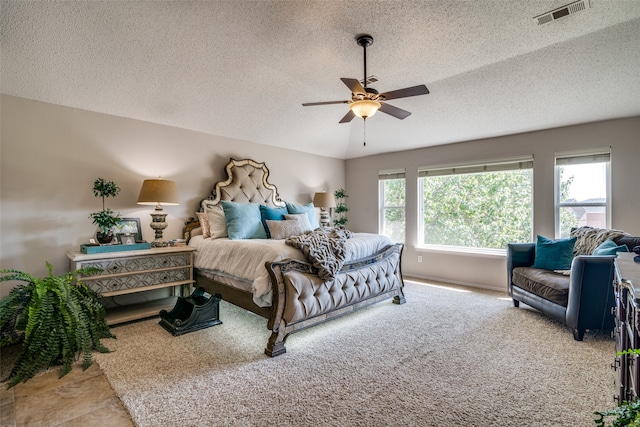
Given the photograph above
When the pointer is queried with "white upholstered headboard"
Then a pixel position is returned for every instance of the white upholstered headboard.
(247, 182)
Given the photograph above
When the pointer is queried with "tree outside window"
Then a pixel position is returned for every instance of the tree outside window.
(582, 190)
(392, 201)
(485, 209)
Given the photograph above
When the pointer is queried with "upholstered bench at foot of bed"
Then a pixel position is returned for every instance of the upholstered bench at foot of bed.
(303, 299)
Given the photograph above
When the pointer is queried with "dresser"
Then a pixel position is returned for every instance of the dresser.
(627, 329)
(129, 272)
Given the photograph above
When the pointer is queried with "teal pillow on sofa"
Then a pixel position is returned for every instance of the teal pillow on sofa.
(243, 220)
(554, 254)
(609, 247)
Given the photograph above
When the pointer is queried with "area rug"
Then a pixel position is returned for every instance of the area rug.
(450, 356)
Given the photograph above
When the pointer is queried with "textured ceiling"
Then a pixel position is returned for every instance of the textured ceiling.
(242, 69)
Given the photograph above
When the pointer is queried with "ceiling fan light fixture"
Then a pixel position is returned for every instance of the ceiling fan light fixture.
(364, 108)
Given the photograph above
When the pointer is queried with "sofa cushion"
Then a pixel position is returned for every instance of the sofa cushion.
(544, 283)
(609, 247)
(554, 254)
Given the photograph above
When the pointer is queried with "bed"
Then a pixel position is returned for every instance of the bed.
(273, 279)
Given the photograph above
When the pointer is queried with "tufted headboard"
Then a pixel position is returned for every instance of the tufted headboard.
(247, 182)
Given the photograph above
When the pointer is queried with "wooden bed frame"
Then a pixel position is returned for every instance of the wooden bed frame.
(300, 298)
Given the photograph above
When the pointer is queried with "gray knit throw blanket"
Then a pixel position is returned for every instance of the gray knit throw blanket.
(589, 238)
(324, 249)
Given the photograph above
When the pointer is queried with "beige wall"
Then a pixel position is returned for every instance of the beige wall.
(50, 156)
(490, 270)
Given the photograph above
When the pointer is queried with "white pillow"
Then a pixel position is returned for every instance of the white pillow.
(284, 229)
(303, 219)
(217, 222)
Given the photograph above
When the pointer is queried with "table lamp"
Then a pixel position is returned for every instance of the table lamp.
(324, 200)
(158, 192)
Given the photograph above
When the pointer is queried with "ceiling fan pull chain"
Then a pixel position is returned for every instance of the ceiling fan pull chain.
(364, 132)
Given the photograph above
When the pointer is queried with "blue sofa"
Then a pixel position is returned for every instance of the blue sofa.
(582, 300)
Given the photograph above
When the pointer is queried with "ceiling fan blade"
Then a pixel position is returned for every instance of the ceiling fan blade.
(354, 85)
(347, 117)
(406, 92)
(396, 112)
(311, 104)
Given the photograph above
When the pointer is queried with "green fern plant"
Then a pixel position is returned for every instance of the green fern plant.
(57, 318)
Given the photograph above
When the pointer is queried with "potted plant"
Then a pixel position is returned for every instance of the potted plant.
(105, 219)
(341, 208)
(627, 413)
(55, 319)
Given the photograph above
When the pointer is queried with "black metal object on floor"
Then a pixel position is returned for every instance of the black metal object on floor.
(193, 313)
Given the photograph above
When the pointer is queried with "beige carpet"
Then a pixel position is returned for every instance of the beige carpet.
(450, 356)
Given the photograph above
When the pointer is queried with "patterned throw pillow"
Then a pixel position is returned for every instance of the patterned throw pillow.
(284, 229)
(309, 209)
(271, 213)
(204, 224)
(303, 219)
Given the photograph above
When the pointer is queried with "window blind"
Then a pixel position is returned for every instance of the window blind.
(391, 174)
(580, 157)
(496, 165)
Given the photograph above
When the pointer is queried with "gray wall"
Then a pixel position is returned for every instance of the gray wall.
(50, 156)
(489, 270)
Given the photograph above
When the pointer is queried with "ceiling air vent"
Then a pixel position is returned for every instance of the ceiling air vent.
(370, 79)
(561, 12)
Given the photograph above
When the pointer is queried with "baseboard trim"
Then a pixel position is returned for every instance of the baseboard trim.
(456, 282)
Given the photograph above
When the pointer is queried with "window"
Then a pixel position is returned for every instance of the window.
(582, 180)
(478, 205)
(392, 205)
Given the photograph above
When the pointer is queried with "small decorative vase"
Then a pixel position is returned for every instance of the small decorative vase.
(104, 237)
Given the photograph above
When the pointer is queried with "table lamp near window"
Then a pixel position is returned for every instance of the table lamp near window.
(158, 192)
(324, 200)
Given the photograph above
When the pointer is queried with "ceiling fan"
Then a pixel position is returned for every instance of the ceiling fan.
(365, 101)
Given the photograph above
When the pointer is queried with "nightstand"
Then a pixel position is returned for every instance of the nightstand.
(134, 271)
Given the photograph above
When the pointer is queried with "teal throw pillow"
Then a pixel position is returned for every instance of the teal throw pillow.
(243, 221)
(272, 214)
(309, 209)
(554, 254)
(609, 247)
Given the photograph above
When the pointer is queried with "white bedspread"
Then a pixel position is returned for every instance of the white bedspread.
(245, 259)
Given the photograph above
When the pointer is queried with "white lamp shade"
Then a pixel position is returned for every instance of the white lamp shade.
(158, 192)
(324, 199)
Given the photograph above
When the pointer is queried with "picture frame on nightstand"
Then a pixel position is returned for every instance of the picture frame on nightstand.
(126, 238)
(128, 226)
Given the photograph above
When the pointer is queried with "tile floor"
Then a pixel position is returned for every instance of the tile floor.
(80, 398)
